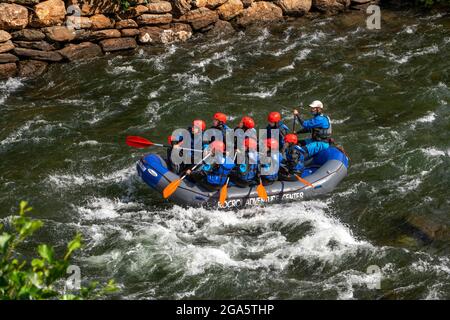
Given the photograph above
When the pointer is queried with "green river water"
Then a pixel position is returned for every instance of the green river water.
(387, 91)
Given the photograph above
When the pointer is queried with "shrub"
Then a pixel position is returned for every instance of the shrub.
(25, 280)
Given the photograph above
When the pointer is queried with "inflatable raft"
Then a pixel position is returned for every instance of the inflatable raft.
(324, 171)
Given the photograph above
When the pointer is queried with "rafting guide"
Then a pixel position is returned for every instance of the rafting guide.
(224, 168)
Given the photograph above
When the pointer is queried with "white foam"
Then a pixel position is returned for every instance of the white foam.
(7, 87)
(120, 70)
(65, 180)
(339, 121)
(302, 54)
(420, 52)
(30, 129)
(263, 93)
(433, 152)
(429, 117)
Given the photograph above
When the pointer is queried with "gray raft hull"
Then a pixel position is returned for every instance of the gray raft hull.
(330, 168)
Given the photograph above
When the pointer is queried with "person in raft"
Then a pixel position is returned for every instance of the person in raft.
(275, 122)
(213, 176)
(244, 174)
(269, 171)
(319, 126)
(293, 159)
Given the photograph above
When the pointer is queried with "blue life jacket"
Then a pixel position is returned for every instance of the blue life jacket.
(295, 164)
(247, 171)
(218, 173)
(274, 176)
(320, 127)
(315, 147)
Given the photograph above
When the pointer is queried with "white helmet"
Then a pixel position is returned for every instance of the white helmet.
(316, 104)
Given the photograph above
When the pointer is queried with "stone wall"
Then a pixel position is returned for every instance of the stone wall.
(34, 33)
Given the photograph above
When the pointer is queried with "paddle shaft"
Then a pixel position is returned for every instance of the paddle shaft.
(196, 166)
(167, 146)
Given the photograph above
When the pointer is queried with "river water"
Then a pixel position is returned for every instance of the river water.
(62, 149)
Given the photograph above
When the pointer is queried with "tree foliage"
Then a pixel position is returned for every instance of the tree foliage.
(38, 278)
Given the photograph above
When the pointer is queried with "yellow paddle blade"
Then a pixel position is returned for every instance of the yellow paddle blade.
(304, 181)
(171, 188)
(223, 194)
(262, 192)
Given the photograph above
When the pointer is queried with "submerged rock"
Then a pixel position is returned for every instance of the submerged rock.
(434, 230)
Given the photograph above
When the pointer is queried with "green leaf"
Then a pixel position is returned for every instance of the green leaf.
(46, 252)
(23, 205)
(73, 245)
(30, 227)
(4, 241)
(37, 263)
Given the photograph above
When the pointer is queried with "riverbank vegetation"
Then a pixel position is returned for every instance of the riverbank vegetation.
(43, 277)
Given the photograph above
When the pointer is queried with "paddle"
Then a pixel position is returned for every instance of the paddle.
(173, 186)
(305, 182)
(140, 142)
(262, 193)
(224, 193)
(224, 189)
(293, 125)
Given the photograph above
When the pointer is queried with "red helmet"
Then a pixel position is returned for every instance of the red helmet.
(274, 117)
(199, 124)
(250, 144)
(248, 122)
(217, 146)
(220, 117)
(173, 139)
(272, 143)
(291, 138)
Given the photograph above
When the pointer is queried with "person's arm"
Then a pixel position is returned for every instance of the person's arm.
(297, 115)
(316, 122)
